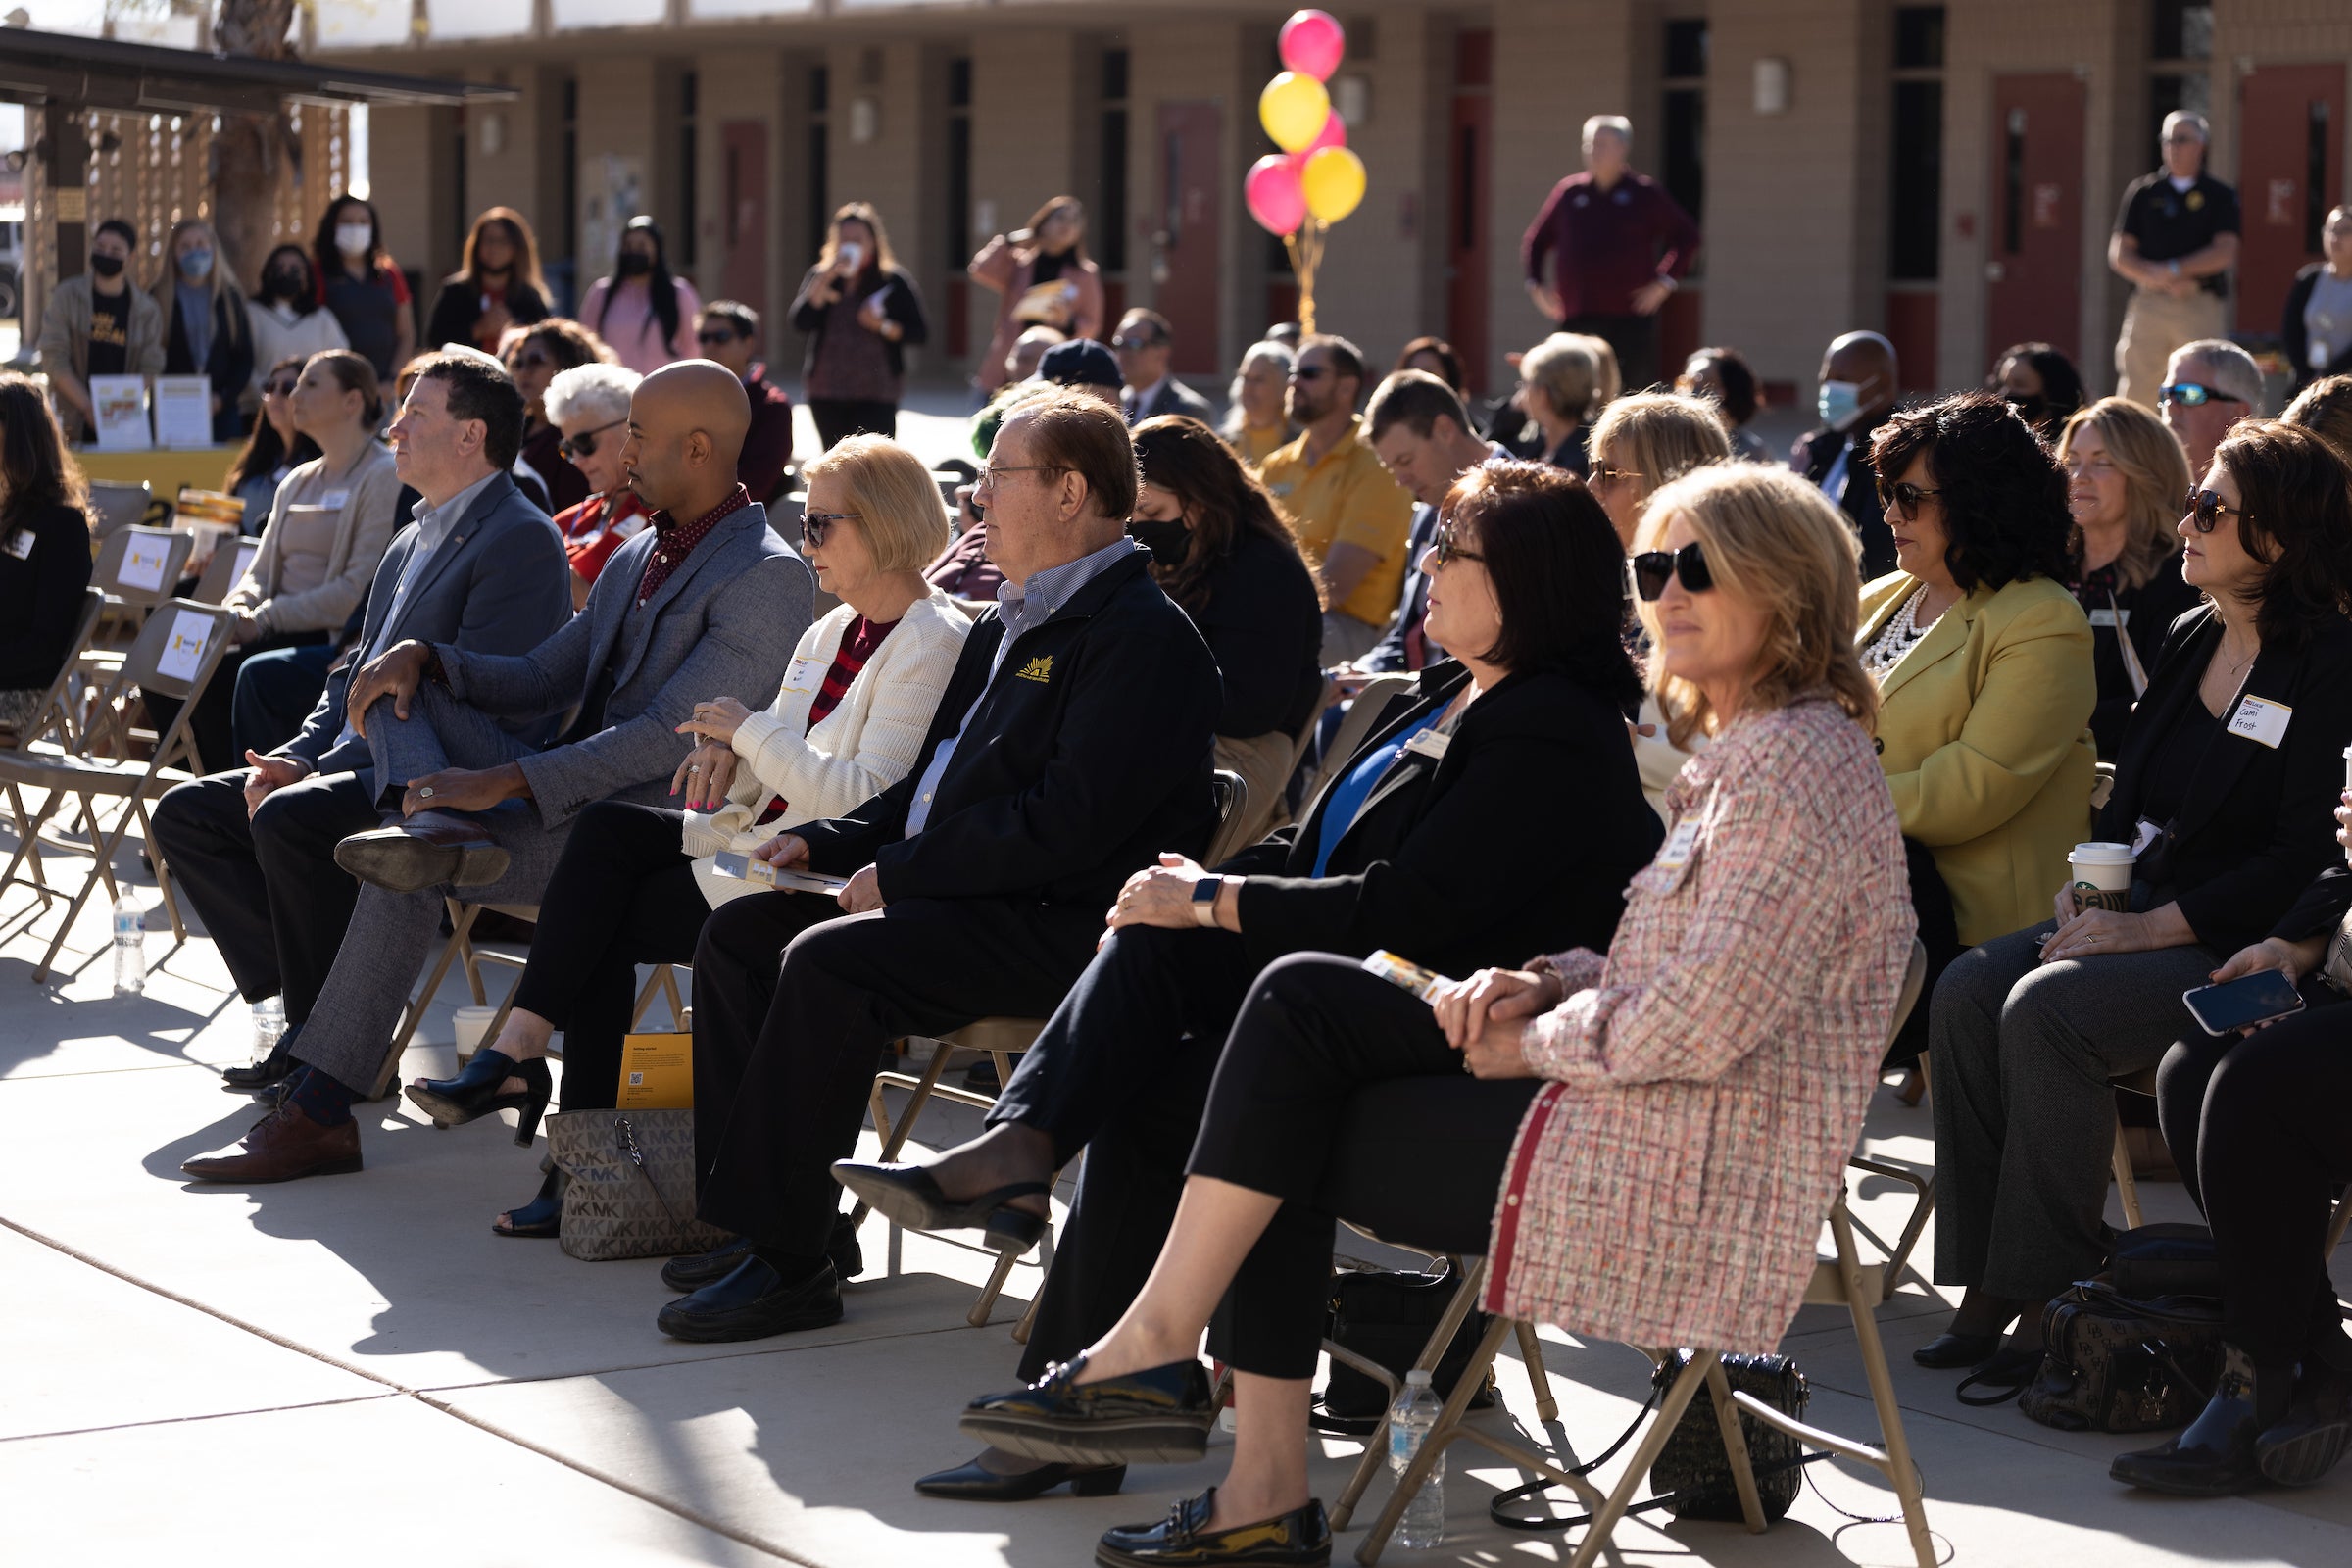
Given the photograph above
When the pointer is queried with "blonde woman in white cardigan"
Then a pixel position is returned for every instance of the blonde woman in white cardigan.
(635, 881)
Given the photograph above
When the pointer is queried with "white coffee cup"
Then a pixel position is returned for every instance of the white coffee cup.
(2102, 875)
(473, 1024)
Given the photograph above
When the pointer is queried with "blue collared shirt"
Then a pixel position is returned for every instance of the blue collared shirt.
(1023, 606)
(434, 525)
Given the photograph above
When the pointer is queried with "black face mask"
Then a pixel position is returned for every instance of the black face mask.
(1168, 541)
(287, 285)
(106, 265)
(633, 265)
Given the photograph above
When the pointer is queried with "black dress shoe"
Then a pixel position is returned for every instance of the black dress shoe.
(1302, 1538)
(753, 1303)
(2215, 1458)
(907, 1195)
(475, 1092)
(698, 1270)
(1957, 1350)
(974, 1483)
(271, 1071)
(1161, 1414)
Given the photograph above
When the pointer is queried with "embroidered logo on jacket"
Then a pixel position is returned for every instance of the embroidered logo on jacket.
(1038, 670)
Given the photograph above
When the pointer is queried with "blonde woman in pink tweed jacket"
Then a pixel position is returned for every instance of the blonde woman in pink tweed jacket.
(1665, 1126)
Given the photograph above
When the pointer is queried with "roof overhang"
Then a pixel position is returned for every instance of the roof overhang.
(39, 67)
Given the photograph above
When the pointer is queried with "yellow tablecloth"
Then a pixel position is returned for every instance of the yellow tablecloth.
(204, 467)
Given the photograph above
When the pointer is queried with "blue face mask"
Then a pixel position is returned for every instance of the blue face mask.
(1839, 403)
(196, 266)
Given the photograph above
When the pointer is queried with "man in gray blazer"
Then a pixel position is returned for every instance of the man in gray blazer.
(480, 567)
(1145, 344)
(707, 602)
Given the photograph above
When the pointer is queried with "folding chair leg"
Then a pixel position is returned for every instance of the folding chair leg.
(1531, 1356)
(1449, 1421)
(1920, 1210)
(1653, 1444)
(2127, 1185)
(1899, 1473)
(163, 874)
(978, 1316)
(1028, 1323)
(1376, 1446)
(1735, 1446)
(460, 922)
(893, 1137)
(103, 845)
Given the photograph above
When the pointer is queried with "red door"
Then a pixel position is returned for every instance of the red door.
(2035, 271)
(743, 221)
(1471, 153)
(2290, 168)
(1185, 260)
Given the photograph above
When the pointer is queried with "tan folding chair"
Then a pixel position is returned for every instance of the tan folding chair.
(222, 571)
(176, 655)
(137, 568)
(459, 949)
(115, 505)
(1839, 1279)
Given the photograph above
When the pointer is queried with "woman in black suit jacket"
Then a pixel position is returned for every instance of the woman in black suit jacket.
(1441, 840)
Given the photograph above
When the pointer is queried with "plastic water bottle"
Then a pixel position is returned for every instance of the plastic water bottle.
(130, 947)
(1410, 1419)
(268, 1023)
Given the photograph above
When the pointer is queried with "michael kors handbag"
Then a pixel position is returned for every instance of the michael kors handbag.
(632, 1184)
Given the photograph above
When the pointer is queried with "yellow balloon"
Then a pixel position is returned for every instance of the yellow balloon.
(1293, 109)
(1333, 183)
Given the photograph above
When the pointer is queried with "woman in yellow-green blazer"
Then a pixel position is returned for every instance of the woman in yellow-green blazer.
(1983, 659)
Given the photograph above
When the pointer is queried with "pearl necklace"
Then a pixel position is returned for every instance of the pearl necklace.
(1897, 638)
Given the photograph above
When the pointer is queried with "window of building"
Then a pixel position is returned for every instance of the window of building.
(689, 176)
(1110, 227)
(820, 201)
(957, 227)
(1682, 162)
(2179, 55)
(1915, 206)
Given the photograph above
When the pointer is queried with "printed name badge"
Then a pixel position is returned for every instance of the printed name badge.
(2258, 719)
(20, 543)
(1428, 743)
(2110, 617)
(1680, 843)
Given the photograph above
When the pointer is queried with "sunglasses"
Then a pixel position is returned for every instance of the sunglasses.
(1448, 548)
(815, 525)
(715, 339)
(1134, 345)
(2205, 510)
(278, 389)
(2189, 395)
(1906, 496)
(583, 445)
(1653, 569)
(1603, 474)
(1308, 372)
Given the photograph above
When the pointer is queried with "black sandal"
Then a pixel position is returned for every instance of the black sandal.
(542, 1218)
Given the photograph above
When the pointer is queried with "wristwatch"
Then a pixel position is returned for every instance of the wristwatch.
(1204, 898)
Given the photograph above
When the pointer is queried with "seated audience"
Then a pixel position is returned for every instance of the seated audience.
(1352, 519)
(1422, 435)
(322, 540)
(289, 322)
(1723, 376)
(205, 329)
(253, 848)
(1984, 665)
(1146, 344)
(2226, 803)
(1564, 382)
(1258, 423)
(1070, 747)
(589, 403)
(1594, 1085)
(534, 357)
(1436, 357)
(274, 450)
(45, 566)
(1082, 365)
(1398, 854)
(635, 881)
(708, 600)
(2208, 386)
(497, 284)
(1859, 378)
(2314, 328)
(962, 571)
(2325, 409)
(2125, 476)
(2040, 383)
(1221, 551)
(728, 332)
(1020, 360)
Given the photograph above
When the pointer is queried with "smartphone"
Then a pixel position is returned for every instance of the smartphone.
(744, 867)
(2248, 1000)
(851, 254)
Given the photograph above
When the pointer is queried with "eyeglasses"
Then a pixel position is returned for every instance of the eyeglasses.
(815, 525)
(1134, 345)
(1603, 474)
(278, 389)
(583, 445)
(1308, 372)
(991, 472)
(1906, 496)
(2205, 510)
(1653, 569)
(716, 340)
(1448, 548)
(2190, 395)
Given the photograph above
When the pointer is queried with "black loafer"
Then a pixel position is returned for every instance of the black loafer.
(974, 1483)
(693, 1272)
(1957, 1350)
(908, 1196)
(753, 1303)
(257, 1077)
(2215, 1456)
(1300, 1539)
(1159, 1415)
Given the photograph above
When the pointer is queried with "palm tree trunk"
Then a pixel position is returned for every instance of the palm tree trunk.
(252, 153)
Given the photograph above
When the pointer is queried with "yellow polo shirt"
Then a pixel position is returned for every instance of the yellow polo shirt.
(1348, 498)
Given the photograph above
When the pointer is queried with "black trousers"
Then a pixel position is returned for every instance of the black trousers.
(267, 888)
(840, 417)
(1339, 1095)
(1122, 1072)
(623, 894)
(2257, 1126)
(1634, 337)
(209, 725)
(274, 692)
(792, 1004)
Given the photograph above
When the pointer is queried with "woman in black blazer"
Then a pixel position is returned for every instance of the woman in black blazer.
(44, 552)
(2297, 320)
(1441, 840)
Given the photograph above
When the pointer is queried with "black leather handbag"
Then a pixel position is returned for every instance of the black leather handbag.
(1692, 1473)
(2111, 1363)
(1387, 1316)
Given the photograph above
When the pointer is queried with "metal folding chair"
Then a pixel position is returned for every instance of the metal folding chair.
(137, 568)
(115, 505)
(222, 571)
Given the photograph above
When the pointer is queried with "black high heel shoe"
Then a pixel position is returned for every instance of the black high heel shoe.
(474, 1092)
(542, 1218)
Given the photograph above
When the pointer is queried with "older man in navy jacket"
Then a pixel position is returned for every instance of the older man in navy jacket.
(1071, 746)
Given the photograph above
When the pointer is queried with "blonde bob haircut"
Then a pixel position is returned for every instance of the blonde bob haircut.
(1775, 541)
(1660, 436)
(2155, 470)
(893, 497)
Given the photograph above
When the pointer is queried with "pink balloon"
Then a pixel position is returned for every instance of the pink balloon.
(1271, 190)
(1333, 134)
(1313, 43)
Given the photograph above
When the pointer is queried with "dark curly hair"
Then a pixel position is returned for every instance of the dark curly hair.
(1557, 571)
(2003, 495)
(1222, 497)
(2294, 498)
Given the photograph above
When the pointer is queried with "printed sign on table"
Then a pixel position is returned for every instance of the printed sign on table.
(183, 412)
(183, 656)
(120, 404)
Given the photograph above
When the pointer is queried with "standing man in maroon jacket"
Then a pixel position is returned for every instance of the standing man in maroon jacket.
(1619, 245)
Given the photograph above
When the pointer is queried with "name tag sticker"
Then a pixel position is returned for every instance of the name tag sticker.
(335, 498)
(1428, 743)
(20, 543)
(2258, 719)
(2145, 835)
(2110, 617)
(1675, 853)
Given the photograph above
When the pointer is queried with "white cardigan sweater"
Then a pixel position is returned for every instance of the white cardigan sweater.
(864, 746)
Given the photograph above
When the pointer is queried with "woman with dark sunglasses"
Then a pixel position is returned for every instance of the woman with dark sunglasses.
(2230, 770)
(274, 449)
(534, 358)
(589, 406)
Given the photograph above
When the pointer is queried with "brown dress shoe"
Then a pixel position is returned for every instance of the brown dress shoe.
(428, 850)
(280, 1147)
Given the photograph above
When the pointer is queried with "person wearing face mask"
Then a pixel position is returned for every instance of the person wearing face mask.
(289, 322)
(1220, 550)
(1858, 377)
(497, 286)
(363, 286)
(98, 324)
(644, 310)
(209, 332)
(2040, 383)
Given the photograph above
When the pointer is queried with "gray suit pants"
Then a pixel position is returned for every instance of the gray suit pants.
(2025, 1120)
(392, 933)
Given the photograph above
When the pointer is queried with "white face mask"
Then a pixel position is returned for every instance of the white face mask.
(352, 238)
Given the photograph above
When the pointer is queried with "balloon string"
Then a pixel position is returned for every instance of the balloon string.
(1306, 247)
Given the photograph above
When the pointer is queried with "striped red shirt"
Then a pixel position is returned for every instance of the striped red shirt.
(858, 644)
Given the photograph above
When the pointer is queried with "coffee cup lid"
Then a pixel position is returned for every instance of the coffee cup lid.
(2100, 852)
